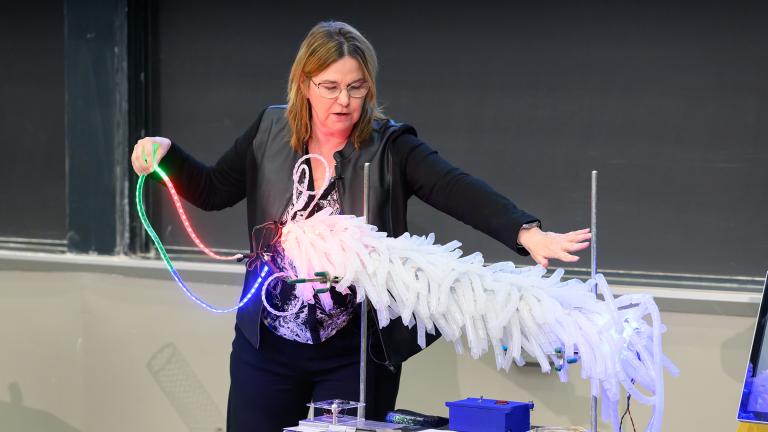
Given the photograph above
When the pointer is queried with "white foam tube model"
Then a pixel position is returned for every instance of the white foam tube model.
(512, 310)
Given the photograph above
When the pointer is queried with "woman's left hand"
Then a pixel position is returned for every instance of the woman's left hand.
(544, 246)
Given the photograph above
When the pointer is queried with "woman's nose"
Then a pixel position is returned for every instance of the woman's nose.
(343, 97)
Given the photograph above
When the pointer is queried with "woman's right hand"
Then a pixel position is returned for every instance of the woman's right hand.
(147, 154)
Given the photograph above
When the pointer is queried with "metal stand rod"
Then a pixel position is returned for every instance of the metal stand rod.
(593, 249)
(364, 304)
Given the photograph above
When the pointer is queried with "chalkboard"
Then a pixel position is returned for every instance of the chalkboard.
(32, 122)
(667, 100)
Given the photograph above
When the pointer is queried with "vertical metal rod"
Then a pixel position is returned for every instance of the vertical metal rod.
(593, 227)
(593, 249)
(364, 303)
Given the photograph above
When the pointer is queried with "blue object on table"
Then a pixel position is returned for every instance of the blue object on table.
(489, 415)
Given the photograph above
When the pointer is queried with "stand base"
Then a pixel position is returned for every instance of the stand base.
(337, 421)
(344, 423)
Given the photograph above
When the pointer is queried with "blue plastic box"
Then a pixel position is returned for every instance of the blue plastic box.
(489, 415)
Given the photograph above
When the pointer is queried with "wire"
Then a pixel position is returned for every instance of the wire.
(631, 419)
(626, 411)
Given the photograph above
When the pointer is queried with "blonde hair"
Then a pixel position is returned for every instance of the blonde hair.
(326, 43)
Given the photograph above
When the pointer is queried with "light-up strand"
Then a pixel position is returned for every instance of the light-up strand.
(301, 194)
(187, 225)
(169, 264)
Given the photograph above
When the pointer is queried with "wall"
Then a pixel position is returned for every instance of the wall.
(88, 351)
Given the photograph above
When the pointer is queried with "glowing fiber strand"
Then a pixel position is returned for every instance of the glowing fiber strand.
(185, 220)
(169, 264)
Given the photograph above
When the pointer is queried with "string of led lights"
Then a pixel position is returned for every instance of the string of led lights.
(187, 225)
(264, 270)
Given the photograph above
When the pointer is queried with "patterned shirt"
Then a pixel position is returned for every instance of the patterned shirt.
(311, 323)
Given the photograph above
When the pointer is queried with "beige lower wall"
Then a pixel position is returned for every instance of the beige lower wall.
(97, 352)
(711, 352)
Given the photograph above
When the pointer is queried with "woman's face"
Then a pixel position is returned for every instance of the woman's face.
(337, 115)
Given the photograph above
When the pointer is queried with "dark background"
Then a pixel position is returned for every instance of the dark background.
(32, 156)
(667, 100)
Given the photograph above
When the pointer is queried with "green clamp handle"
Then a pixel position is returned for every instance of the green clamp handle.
(321, 277)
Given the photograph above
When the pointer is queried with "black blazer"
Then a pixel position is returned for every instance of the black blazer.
(259, 167)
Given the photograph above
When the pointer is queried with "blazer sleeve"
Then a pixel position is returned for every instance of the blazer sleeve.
(212, 187)
(458, 194)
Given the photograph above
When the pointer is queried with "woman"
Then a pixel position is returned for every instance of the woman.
(280, 363)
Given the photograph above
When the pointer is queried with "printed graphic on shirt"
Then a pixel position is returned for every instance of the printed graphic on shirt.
(311, 323)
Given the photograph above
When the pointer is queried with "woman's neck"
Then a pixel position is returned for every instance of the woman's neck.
(326, 141)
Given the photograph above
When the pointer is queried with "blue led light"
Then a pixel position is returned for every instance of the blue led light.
(201, 302)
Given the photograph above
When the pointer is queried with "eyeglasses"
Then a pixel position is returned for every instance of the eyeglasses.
(332, 90)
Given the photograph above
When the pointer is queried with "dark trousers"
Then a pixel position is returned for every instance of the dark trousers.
(271, 386)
